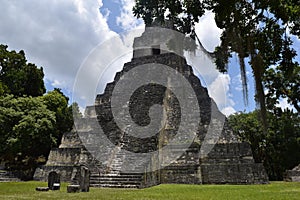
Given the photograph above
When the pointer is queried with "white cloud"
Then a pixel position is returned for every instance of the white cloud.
(82, 110)
(126, 19)
(208, 32)
(57, 35)
(101, 65)
(57, 83)
(237, 83)
(60, 35)
(228, 111)
(219, 91)
(284, 104)
(216, 83)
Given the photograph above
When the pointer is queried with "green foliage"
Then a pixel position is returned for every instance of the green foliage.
(18, 77)
(283, 81)
(74, 109)
(184, 14)
(27, 130)
(258, 31)
(249, 129)
(30, 124)
(57, 102)
(279, 148)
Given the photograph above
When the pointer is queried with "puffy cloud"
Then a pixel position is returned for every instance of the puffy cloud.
(284, 104)
(218, 84)
(228, 111)
(237, 83)
(204, 67)
(60, 35)
(57, 83)
(126, 19)
(219, 91)
(101, 65)
(208, 32)
(57, 35)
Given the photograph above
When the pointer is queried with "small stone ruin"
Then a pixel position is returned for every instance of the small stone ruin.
(293, 175)
(229, 161)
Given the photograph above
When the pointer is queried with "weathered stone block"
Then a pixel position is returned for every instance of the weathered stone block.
(42, 189)
(73, 188)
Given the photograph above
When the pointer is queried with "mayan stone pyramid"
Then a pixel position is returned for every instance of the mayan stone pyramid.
(192, 147)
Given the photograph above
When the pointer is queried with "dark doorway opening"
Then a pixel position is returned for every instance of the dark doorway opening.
(156, 50)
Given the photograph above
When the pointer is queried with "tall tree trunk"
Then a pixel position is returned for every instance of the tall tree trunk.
(257, 65)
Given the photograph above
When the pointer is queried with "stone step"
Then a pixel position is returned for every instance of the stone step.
(116, 179)
(5, 173)
(131, 174)
(115, 186)
(7, 176)
(116, 164)
(124, 175)
(8, 179)
(121, 179)
(116, 183)
(117, 159)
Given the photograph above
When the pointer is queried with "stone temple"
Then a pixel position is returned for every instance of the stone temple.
(121, 156)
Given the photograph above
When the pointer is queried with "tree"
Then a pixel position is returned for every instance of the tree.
(249, 129)
(255, 30)
(31, 126)
(184, 14)
(57, 102)
(279, 148)
(74, 109)
(31, 122)
(283, 82)
(18, 77)
(27, 131)
(258, 31)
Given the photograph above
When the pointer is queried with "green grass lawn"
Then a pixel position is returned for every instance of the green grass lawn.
(275, 190)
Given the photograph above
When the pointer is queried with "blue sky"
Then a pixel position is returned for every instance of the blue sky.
(59, 36)
(114, 9)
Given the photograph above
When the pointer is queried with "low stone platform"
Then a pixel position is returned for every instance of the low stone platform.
(293, 175)
(7, 176)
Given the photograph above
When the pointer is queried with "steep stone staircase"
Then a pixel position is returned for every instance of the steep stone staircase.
(113, 176)
(121, 180)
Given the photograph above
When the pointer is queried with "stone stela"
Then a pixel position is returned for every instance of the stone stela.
(53, 181)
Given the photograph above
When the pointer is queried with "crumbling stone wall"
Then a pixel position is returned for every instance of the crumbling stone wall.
(63, 160)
